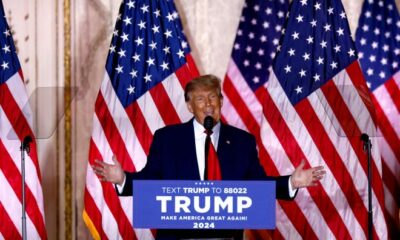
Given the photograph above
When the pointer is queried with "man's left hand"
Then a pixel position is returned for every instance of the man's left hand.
(306, 177)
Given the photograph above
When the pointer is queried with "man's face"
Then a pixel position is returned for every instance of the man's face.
(204, 103)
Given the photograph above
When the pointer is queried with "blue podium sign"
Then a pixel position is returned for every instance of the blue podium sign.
(204, 204)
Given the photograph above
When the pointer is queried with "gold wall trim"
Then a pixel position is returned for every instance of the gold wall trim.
(68, 120)
(57, 132)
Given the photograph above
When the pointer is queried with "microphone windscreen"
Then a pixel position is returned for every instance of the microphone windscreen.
(364, 137)
(208, 123)
(27, 140)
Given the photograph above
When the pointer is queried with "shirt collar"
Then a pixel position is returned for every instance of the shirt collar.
(199, 129)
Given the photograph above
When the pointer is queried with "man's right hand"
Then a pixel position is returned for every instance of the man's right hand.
(306, 177)
(109, 172)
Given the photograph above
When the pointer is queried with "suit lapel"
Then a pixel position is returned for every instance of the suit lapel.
(189, 147)
(223, 151)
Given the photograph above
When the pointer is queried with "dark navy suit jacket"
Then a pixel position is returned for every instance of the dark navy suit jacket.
(173, 157)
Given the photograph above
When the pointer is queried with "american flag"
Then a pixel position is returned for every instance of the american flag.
(253, 51)
(148, 65)
(15, 125)
(378, 43)
(312, 104)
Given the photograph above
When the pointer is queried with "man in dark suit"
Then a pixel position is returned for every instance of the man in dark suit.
(177, 153)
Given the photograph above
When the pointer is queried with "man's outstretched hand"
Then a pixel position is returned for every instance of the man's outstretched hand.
(109, 172)
(306, 177)
(300, 178)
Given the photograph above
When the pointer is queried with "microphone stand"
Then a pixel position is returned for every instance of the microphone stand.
(367, 147)
(24, 148)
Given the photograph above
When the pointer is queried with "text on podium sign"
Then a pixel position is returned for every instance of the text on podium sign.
(204, 204)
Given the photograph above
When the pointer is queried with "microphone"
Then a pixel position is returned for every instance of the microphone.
(365, 138)
(208, 123)
(27, 140)
(24, 147)
(25, 143)
(367, 147)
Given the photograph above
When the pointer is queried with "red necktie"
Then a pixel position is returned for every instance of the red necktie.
(212, 168)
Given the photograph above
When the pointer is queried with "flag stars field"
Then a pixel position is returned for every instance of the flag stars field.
(131, 89)
(142, 25)
(7, 33)
(4, 65)
(145, 8)
(6, 48)
(131, 4)
(133, 73)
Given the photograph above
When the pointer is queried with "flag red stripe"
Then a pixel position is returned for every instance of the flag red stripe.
(291, 209)
(297, 217)
(388, 132)
(124, 226)
(112, 134)
(240, 106)
(391, 182)
(94, 213)
(393, 222)
(333, 160)
(19, 123)
(266, 160)
(142, 130)
(276, 235)
(113, 203)
(13, 176)
(187, 72)
(22, 129)
(294, 213)
(7, 227)
(356, 77)
(353, 133)
(288, 141)
(164, 105)
(394, 92)
(393, 225)
(192, 67)
(295, 153)
(259, 234)
(223, 119)
(90, 206)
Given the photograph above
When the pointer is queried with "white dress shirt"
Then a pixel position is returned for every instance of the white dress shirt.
(200, 140)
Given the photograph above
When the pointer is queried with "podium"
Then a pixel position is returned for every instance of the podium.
(203, 205)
